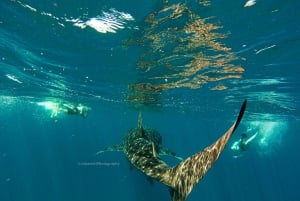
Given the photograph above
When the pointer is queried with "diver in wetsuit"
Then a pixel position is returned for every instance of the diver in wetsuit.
(243, 142)
(241, 145)
(72, 109)
(58, 107)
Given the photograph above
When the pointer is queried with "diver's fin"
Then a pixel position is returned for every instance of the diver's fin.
(182, 178)
(165, 151)
(251, 138)
(118, 147)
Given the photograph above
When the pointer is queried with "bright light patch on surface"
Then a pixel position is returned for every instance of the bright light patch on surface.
(107, 22)
(264, 49)
(250, 3)
(27, 6)
(13, 78)
(104, 25)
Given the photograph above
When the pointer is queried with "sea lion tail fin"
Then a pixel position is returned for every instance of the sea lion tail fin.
(188, 173)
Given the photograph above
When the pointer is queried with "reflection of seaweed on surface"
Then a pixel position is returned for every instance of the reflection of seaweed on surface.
(143, 95)
(183, 50)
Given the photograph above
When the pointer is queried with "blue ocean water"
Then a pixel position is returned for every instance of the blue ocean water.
(118, 58)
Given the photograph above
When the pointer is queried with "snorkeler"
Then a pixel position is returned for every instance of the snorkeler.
(242, 144)
(67, 108)
(72, 109)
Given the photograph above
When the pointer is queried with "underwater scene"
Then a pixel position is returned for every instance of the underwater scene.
(149, 100)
